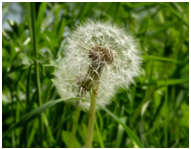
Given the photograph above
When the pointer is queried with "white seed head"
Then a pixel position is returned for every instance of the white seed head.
(97, 54)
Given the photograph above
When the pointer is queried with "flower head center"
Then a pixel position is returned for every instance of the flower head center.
(99, 56)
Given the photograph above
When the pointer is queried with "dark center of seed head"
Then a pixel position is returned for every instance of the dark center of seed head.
(99, 57)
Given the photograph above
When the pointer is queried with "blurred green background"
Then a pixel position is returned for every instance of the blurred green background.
(155, 109)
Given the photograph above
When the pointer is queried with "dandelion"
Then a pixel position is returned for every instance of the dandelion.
(97, 54)
(99, 58)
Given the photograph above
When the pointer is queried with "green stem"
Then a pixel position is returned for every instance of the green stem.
(166, 116)
(91, 119)
(75, 122)
(74, 127)
(13, 115)
(34, 45)
(28, 88)
(99, 135)
(27, 103)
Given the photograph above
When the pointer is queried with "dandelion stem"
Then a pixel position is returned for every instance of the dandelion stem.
(74, 127)
(91, 119)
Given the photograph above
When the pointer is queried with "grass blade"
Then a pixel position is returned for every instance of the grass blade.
(99, 135)
(32, 28)
(155, 58)
(173, 81)
(33, 114)
(40, 17)
(127, 129)
(162, 29)
(167, 113)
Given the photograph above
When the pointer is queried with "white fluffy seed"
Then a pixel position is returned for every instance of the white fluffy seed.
(74, 66)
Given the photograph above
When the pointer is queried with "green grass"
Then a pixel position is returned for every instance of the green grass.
(153, 112)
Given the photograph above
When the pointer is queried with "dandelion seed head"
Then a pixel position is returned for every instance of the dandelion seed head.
(97, 54)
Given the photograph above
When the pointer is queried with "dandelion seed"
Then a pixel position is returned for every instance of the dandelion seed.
(97, 54)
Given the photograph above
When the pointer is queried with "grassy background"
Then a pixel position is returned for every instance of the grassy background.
(152, 113)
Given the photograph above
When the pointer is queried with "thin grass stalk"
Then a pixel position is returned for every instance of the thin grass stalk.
(34, 45)
(27, 103)
(17, 131)
(99, 135)
(13, 115)
(91, 120)
(74, 127)
(166, 116)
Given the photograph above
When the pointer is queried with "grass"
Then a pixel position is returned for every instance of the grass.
(153, 112)
(33, 31)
